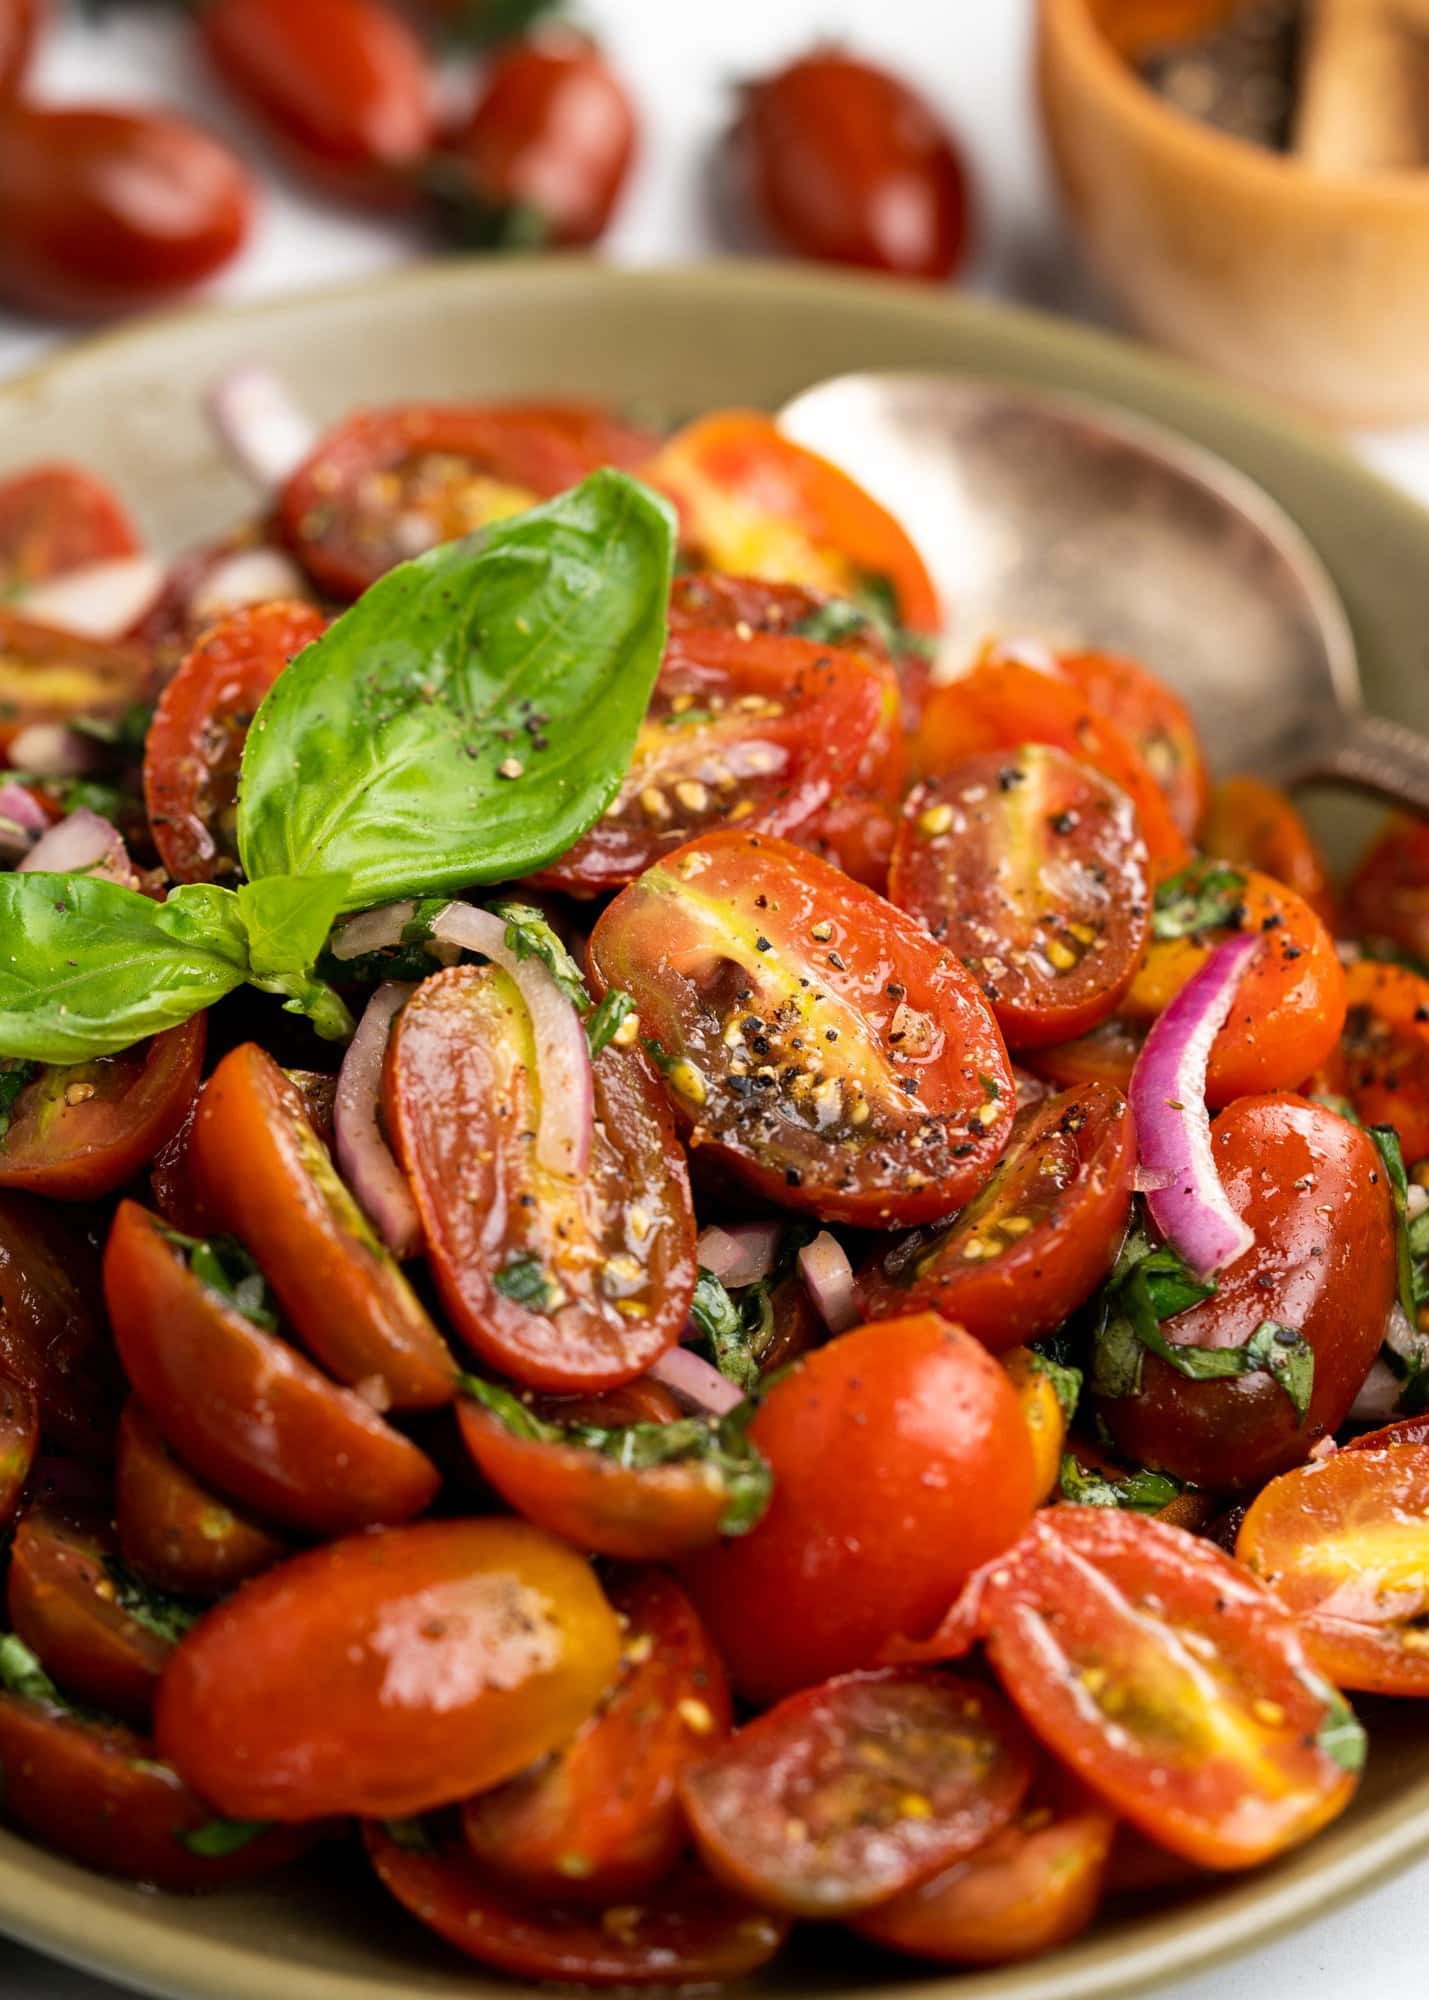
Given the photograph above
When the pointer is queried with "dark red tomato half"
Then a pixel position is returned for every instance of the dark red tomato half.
(602, 1821)
(74, 1609)
(80, 1130)
(1031, 867)
(850, 165)
(1388, 894)
(852, 1792)
(812, 1037)
(560, 1280)
(1386, 1050)
(53, 1339)
(57, 517)
(174, 1531)
(107, 210)
(195, 742)
(385, 485)
(1313, 1189)
(1158, 722)
(687, 1931)
(1039, 1238)
(47, 675)
(19, 1443)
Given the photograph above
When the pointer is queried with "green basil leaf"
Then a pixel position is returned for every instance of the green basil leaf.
(526, 1282)
(223, 1264)
(722, 1326)
(1116, 1358)
(1391, 1152)
(219, 1837)
(605, 1022)
(287, 919)
(1066, 1382)
(1284, 1354)
(530, 936)
(89, 967)
(1341, 1735)
(474, 712)
(22, 1674)
(1203, 896)
(166, 1616)
(1139, 1491)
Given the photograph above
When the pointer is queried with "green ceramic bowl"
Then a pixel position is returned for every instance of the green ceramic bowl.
(128, 404)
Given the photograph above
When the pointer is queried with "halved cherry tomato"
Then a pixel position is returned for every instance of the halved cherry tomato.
(47, 675)
(208, 582)
(1005, 702)
(1345, 1547)
(849, 164)
(602, 1820)
(19, 1443)
(53, 1340)
(178, 1195)
(267, 1176)
(55, 518)
(1044, 1414)
(1031, 1887)
(688, 1931)
(241, 1407)
(1254, 825)
(389, 1673)
(67, 1601)
(562, 1282)
(755, 504)
(386, 484)
(99, 1793)
(108, 210)
(1386, 1050)
(763, 731)
(1168, 1680)
(1404, 1430)
(172, 1530)
(1030, 866)
(944, 1478)
(80, 1130)
(852, 1792)
(1107, 1055)
(1154, 718)
(1388, 894)
(547, 149)
(195, 742)
(1313, 1189)
(1039, 1238)
(342, 86)
(813, 1038)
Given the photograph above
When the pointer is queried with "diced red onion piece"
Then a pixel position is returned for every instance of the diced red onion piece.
(250, 576)
(262, 426)
(19, 805)
(696, 1384)
(53, 750)
(742, 1254)
(82, 843)
(826, 1270)
(374, 930)
(1173, 1127)
(100, 600)
(362, 1152)
(563, 1077)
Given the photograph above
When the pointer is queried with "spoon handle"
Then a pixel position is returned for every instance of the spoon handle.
(1376, 755)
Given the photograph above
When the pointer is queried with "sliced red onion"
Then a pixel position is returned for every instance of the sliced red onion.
(1173, 1127)
(19, 805)
(740, 1255)
(826, 1270)
(362, 1153)
(562, 1052)
(82, 843)
(695, 1383)
(100, 600)
(1378, 1397)
(249, 576)
(374, 930)
(1146, 1181)
(53, 750)
(261, 424)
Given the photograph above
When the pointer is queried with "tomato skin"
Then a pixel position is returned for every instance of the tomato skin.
(459, 1046)
(388, 1673)
(1043, 1414)
(58, 517)
(1404, 1430)
(826, 962)
(1157, 721)
(1313, 1189)
(603, 1820)
(839, 1762)
(1254, 825)
(77, 1151)
(552, 136)
(849, 165)
(52, 1335)
(687, 1931)
(1085, 1623)
(946, 1479)
(63, 1604)
(107, 210)
(336, 1281)
(1065, 1181)
(172, 1530)
(343, 86)
(20, 24)
(48, 675)
(336, 512)
(1031, 867)
(19, 1443)
(1348, 1556)
(1387, 898)
(1386, 1050)
(241, 1407)
(193, 747)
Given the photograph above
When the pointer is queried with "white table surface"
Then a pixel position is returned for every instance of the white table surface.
(683, 61)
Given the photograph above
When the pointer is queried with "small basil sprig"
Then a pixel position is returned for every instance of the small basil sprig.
(729, 1336)
(1203, 896)
(1138, 1491)
(529, 935)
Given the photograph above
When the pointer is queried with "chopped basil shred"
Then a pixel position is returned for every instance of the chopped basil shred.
(22, 1674)
(14, 1075)
(1066, 1381)
(527, 1282)
(222, 1263)
(158, 1611)
(1203, 896)
(1412, 1288)
(1138, 1491)
(1341, 1735)
(871, 611)
(219, 1837)
(606, 1020)
(725, 1331)
(529, 935)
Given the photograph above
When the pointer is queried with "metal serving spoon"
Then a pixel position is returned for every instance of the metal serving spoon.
(1066, 520)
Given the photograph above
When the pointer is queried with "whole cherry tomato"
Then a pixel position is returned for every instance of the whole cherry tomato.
(1253, 825)
(1388, 896)
(53, 1339)
(850, 165)
(342, 86)
(547, 149)
(1386, 1050)
(55, 518)
(176, 1533)
(389, 1673)
(20, 23)
(901, 1460)
(47, 675)
(110, 210)
(1313, 1189)
(91, 1629)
